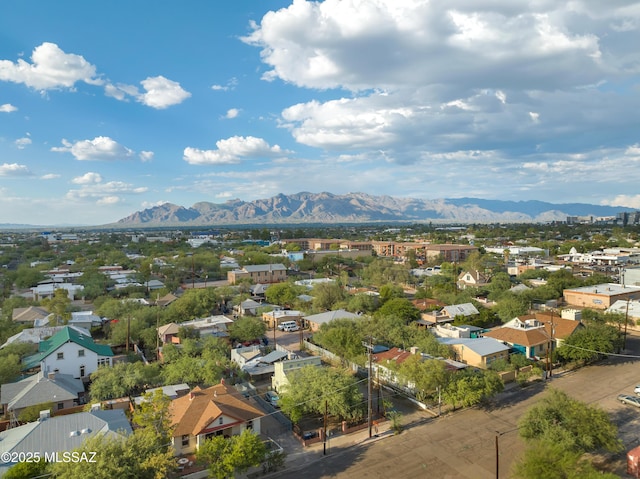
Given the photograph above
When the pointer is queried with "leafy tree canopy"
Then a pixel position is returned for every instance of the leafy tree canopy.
(579, 427)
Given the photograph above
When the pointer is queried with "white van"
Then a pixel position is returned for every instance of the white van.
(285, 325)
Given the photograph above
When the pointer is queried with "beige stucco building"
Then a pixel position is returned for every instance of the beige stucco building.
(259, 273)
(600, 296)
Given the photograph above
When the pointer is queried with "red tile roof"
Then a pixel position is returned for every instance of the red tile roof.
(191, 414)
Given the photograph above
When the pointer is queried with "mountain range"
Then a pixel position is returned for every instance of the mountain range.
(325, 207)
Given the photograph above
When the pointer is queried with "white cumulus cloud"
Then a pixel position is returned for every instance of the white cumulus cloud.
(51, 68)
(161, 92)
(8, 108)
(101, 148)
(232, 150)
(146, 156)
(629, 201)
(232, 113)
(50, 176)
(344, 43)
(104, 193)
(87, 179)
(14, 169)
(22, 143)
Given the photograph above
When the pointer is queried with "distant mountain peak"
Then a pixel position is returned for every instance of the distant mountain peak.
(325, 207)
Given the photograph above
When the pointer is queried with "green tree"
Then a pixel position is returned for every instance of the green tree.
(153, 412)
(327, 295)
(467, 388)
(141, 455)
(311, 387)
(27, 470)
(27, 277)
(560, 419)
(10, 368)
(59, 306)
(284, 293)
(590, 343)
(426, 375)
(32, 413)
(247, 329)
(390, 291)
(342, 337)
(226, 457)
(400, 308)
(544, 459)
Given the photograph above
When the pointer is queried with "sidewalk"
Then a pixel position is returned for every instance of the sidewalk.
(334, 445)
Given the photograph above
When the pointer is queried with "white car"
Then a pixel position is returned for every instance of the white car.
(637, 390)
(292, 328)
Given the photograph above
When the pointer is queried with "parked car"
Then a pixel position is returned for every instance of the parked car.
(286, 324)
(292, 328)
(272, 398)
(632, 400)
(309, 435)
(637, 390)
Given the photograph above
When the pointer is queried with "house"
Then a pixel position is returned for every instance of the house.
(525, 337)
(274, 318)
(60, 433)
(63, 390)
(166, 300)
(243, 355)
(472, 279)
(282, 369)
(258, 290)
(35, 335)
(248, 307)
(85, 320)
(263, 367)
(48, 290)
(385, 365)
(69, 352)
(477, 352)
(454, 310)
(205, 413)
(260, 273)
(427, 304)
(168, 333)
(172, 391)
(447, 314)
(556, 327)
(215, 325)
(29, 315)
(315, 321)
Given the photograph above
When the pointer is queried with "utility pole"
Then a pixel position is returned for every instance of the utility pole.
(497, 456)
(369, 412)
(324, 434)
(157, 327)
(626, 321)
(128, 330)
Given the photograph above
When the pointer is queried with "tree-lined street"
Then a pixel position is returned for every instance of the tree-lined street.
(463, 444)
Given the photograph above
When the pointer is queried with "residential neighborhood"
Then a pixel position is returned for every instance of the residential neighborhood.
(204, 346)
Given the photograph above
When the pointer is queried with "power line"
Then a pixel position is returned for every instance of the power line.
(635, 356)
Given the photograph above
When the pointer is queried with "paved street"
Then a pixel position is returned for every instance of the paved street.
(463, 444)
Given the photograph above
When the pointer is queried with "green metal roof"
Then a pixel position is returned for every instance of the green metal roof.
(64, 336)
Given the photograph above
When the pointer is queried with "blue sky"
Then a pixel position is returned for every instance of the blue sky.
(107, 109)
